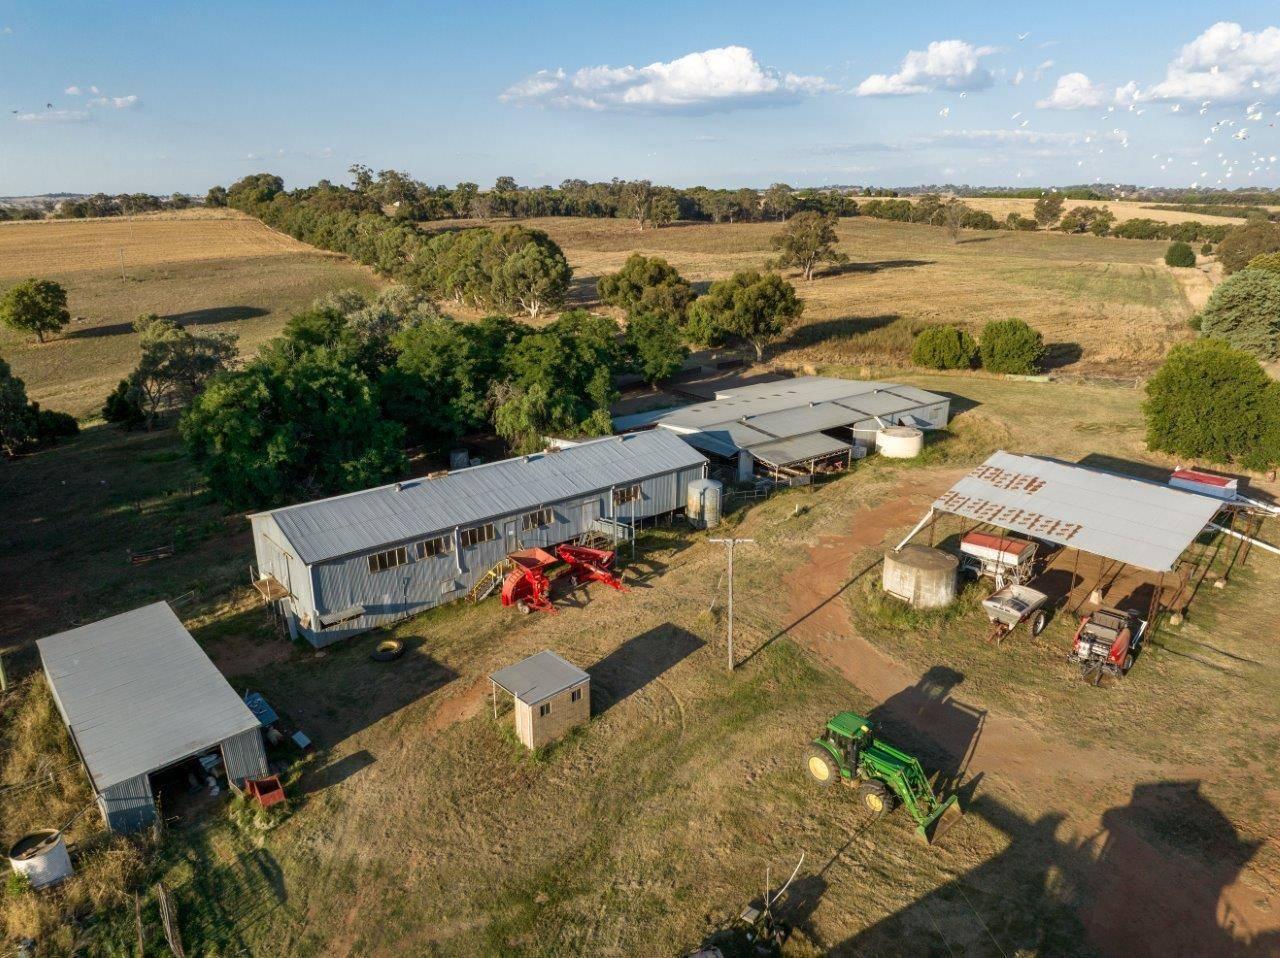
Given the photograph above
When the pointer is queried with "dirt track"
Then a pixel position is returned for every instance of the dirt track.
(1127, 890)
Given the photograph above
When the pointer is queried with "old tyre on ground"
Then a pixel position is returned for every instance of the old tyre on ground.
(388, 650)
(822, 767)
(1038, 622)
(875, 798)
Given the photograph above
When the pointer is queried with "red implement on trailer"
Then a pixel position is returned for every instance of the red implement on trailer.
(527, 586)
(591, 565)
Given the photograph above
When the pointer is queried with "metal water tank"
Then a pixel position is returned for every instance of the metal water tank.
(921, 576)
(703, 503)
(899, 442)
(41, 856)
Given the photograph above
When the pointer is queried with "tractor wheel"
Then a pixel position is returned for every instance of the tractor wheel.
(1038, 622)
(875, 798)
(822, 767)
(523, 607)
(1128, 664)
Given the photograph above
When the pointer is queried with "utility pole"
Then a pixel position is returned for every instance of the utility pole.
(730, 544)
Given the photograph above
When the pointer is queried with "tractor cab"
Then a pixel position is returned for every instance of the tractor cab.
(846, 735)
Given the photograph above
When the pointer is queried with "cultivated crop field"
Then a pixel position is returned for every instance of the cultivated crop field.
(1106, 307)
(219, 270)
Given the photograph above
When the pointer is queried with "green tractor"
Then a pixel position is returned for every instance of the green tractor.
(849, 751)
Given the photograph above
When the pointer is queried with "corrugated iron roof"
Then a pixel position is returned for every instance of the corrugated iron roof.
(1140, 523)
(139, 693)
(786, 452)
(539, 677)
(750, 416)
(362, 521)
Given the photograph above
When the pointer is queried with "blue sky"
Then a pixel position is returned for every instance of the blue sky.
(157, 97)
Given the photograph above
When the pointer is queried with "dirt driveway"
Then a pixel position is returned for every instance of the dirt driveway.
(1127, 890)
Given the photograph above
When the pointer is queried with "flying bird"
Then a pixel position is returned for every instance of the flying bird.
(1023, 36)
(48, 106)
(1176, 108)
(944, 112)
(1019, 113)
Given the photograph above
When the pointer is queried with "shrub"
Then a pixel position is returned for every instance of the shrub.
(647, 285)
(1180, 254)
(1212, 401)
(1243, 243)
(1244, 310)
(1011, 346)
(1206, 249)
(944, 347)
(124, 406)
(1266, 261)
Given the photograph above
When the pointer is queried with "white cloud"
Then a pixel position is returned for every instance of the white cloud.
(72, 91)
(6, 30)
(720, 79)
(944, 65)
(94, 90)
(1074, 91)
(55, 116)
(1018, 77)
(983, 138)
(1129, 94)
(1044, 67)
(115, 102)
(1224, 63)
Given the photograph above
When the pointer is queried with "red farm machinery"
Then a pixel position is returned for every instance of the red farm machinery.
(528, 587)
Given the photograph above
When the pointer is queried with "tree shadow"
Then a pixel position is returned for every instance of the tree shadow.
(335, 773)
(195, 317)
(1057, 355)
(975, 239)
(1168, 852)
(637, 662)
(812, 334)
(870, 266)
(226, 900)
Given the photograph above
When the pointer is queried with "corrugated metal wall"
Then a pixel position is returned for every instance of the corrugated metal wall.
(423, 584)
(129, 805)
(245, 756)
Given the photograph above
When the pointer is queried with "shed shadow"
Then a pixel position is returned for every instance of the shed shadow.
(637, 662)
(812, 334)
(336, 772)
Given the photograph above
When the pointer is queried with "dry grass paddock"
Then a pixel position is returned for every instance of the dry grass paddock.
(1123, 210)
(217, 270)
(1105, 306)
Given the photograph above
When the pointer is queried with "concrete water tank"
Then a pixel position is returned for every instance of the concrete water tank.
(41, 856)
(924, 577)
(703, 503)
(899, 442)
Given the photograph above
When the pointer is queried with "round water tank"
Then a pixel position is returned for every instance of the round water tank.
(42, 857)
(899, 442)
(924, 577)
(703, 503)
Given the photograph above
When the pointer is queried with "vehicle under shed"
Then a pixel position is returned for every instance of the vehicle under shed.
(139, 696)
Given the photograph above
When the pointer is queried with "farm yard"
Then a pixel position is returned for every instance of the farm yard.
(417, 823)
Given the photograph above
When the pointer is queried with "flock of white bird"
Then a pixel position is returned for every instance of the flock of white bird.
(1222, 170)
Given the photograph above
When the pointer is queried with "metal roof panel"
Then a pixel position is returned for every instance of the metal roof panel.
(539, 677)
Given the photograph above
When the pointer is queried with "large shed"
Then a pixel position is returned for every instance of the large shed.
(138, 694)
(343, 565)
(792, 422)
(552, 696)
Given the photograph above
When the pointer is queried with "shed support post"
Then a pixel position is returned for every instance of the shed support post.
(918, 526)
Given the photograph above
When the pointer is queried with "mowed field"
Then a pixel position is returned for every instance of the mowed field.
(214, 270)
(1106, 307)
(1123, 210)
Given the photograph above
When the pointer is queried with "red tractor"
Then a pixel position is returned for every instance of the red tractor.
(1106, 643)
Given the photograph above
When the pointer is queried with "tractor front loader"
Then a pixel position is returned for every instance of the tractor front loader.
(848, 751)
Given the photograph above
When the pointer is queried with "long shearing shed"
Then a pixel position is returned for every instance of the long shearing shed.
(344, 565)
(138, 695)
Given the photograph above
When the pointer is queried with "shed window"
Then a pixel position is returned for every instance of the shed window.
(439, 546)
(536, 520)
(628, 494)
(484, 533)
(544, 710)
(382, 561)
(575, 695)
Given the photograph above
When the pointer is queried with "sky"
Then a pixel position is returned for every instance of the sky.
(177, 96)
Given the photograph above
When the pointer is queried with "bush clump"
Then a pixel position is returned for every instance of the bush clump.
(1244, 310)
(1243, 243)
(1011, 346)
(944, 347)
(1212, 401)
(1266, 261)
(1180, 254)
